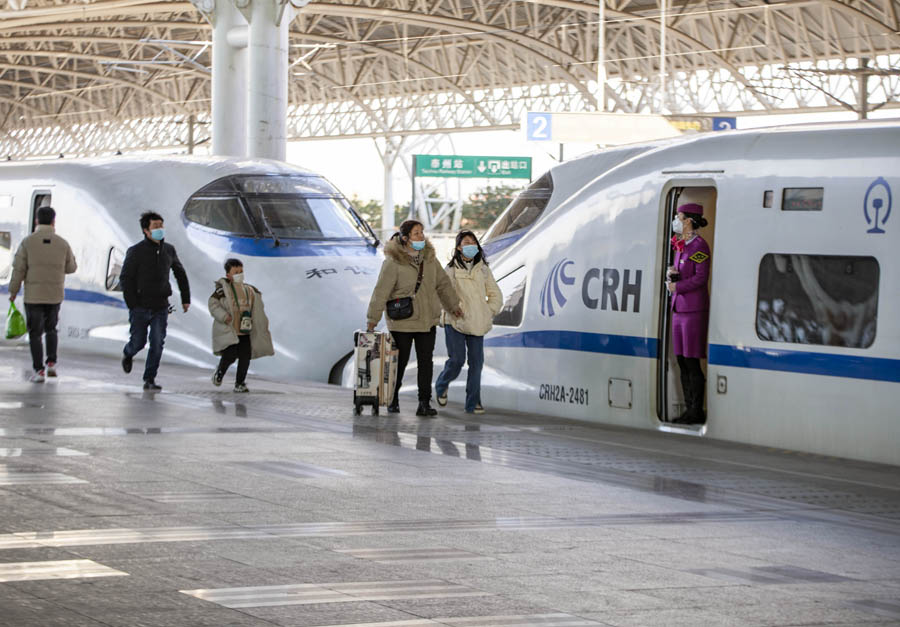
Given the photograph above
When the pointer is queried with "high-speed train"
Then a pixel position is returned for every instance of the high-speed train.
(804, 333)
(303, 246)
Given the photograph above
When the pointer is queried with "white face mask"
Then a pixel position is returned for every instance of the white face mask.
(677, 226)
(238, 278)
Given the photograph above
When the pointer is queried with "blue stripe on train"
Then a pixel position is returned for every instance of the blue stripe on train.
(265, 247)
(577, 341)
(804, 362)
(828, 364)
(84, 296)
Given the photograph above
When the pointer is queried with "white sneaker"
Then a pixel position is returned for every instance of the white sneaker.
(240, 388)
(442, 399)
(51, 369)
(37, 377)
(479, 409)
(217, 378)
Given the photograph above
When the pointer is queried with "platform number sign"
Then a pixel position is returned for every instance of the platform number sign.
(540, 127)
(724, 124)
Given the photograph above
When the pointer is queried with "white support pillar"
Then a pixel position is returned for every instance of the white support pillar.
(267, 93)
(663, 86)
(387, 208)
(601, 56)
(229, 80)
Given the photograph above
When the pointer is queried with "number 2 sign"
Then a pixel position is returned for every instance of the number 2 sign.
(539, 127)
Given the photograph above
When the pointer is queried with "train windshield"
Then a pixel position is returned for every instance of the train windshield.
(290, 207)
(524, 210)
(301, 217)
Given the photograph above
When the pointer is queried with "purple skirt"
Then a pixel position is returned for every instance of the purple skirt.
(689, 331)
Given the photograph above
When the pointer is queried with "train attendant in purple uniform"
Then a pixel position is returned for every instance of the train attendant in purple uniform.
(687, 283)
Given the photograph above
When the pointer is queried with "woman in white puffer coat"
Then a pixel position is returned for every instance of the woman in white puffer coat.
(481, 300)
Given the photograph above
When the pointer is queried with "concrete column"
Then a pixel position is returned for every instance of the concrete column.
(387, 209)
(267, 92)
(229, 80)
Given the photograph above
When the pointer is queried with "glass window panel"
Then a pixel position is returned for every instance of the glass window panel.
(6, 254)
(114, 269)
(524, 210)
(305, 218)
(512, 286)
(802, 198)
(818, 299)
(222, 214)
(306, 185)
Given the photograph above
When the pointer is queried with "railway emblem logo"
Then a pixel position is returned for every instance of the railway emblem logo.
(552, 293)
(877, 205)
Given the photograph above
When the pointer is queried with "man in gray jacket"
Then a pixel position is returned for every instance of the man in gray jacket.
(42, 262)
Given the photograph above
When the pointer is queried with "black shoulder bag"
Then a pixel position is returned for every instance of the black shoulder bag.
(402, 308)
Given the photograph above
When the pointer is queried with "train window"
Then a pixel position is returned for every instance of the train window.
(818, 299)
(302, 217)
(114, 269)
(802, 198)
(38, 200)
(524, 210)
(222, 214)
(767, 198)
(512, 286)
(5, 254)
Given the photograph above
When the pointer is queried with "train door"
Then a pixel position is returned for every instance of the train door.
(670, 397)
(39, 198)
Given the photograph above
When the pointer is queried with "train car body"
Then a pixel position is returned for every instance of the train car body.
(311, 256)
(804, 340)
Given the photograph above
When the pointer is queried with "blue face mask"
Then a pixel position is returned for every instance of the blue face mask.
(158, 234)
(418, 245)
(470, 251)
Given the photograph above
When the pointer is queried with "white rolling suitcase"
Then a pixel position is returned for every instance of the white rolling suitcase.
(376, 370)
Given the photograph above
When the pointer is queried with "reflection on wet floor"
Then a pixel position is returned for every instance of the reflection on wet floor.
(221, 407)
(18, 405)
(114, 431)
(393, 437)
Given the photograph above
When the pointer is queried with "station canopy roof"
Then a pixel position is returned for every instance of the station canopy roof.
(94, 75)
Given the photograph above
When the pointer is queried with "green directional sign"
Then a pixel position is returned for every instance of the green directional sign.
(460, 166)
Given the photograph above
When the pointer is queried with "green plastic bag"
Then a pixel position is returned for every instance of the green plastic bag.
(15, 323)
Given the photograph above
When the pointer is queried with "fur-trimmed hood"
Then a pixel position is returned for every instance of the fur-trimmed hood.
(395, 249)
(397, 279)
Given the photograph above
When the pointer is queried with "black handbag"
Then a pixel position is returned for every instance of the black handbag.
(402, 308)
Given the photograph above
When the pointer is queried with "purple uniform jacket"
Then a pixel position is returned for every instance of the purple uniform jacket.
(691, 291)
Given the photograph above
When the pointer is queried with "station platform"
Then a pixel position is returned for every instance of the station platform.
(200, 507)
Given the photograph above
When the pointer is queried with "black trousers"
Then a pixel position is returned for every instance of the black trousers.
(424, 342)
(42, 321)
(692, 382)
(240, 352)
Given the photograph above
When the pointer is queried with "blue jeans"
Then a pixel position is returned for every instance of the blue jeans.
(459, 345)
(140, 320)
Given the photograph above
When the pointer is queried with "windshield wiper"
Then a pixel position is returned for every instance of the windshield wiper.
(265, 221)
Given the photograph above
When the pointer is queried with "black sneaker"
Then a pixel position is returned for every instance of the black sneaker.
(126, 363)
(394, 408)
(240, 388)
(217, 378)
(425, 409)
(150, 385)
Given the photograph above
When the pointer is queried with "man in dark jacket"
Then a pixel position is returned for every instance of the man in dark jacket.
(145, 285)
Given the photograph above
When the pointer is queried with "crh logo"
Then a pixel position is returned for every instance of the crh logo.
(551, 292)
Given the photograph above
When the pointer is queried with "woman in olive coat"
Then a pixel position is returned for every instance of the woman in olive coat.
(404, 253)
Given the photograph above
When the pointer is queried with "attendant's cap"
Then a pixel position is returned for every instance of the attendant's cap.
(691, 207)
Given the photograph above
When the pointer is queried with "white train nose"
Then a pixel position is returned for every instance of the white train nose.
(314, 304)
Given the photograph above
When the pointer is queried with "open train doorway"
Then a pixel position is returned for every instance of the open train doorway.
(39, 198)
(681, 387)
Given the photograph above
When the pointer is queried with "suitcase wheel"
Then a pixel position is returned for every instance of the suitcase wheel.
(357, 409)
